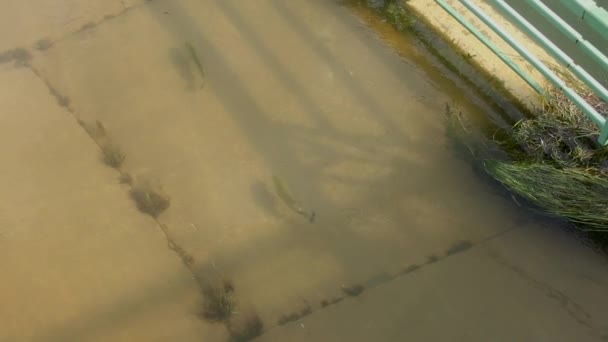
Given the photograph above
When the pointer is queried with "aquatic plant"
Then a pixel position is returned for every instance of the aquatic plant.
(296, 315)
(398, 15)
(87, 26)
(61, 99)
(458, 247)
(95, 130)
(219, 302)
(558, 164)
(552, 158)
(410, 269)
(557, 137)
(432, 259)
(20, 57)
(353, 290)
(150, 200)
(328, 302)
(394, 11)
(43, 44)
(576, 194)
(560, 134)
(125, 178)
(113, 156)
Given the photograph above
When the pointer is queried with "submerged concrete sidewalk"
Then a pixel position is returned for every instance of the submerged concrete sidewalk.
(515, 288)
(79, 262)
(301, 89)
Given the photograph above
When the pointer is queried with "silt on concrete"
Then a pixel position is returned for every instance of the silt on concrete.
(301, 89)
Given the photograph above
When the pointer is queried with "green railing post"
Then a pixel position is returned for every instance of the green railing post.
(488, 43)
(603, 139)
(569, 32)
(596, 17)
(591, 113)
(550, 47)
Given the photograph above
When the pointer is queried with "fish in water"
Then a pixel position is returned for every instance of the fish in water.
(197, 61)
(285, 195)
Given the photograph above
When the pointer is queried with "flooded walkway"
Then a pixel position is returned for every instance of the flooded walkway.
(310, 175)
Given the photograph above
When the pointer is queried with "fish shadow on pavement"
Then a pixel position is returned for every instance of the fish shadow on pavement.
(265, 198)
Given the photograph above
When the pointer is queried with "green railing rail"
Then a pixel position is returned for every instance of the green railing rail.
(571, 33)
(589, 12)
(596, 16)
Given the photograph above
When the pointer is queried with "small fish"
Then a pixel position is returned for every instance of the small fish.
(285, 195)
(197, 61)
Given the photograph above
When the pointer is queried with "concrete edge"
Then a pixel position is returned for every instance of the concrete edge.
(482, 58)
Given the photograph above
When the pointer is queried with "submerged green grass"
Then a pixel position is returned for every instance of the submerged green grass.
(558, 164)
(560, 133)
(551, 159)
(150, 199)
(572, 193)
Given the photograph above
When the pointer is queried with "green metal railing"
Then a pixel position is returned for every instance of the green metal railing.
(571, 33)
(598, 19)
(595, 16)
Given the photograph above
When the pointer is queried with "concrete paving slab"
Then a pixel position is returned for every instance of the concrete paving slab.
(298, 89)
(559, 265)
(290, 89)
(80, 262)
(465, 297)
(35, 23)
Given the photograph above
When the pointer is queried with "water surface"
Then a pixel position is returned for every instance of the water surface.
(405, 230)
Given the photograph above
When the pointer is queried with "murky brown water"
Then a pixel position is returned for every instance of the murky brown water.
(406, 240)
